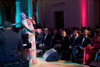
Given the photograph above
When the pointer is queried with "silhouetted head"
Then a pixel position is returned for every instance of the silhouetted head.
(7, 25)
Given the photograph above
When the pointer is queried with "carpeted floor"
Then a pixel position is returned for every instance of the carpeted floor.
(42, 63)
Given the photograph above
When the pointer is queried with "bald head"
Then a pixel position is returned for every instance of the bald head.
(46, 31)
(85, 32)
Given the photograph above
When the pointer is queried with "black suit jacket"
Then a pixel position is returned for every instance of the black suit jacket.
(77, 41)
(10, 45)
(46, 41)
(55, 40)
(65, 42)
(86, 41)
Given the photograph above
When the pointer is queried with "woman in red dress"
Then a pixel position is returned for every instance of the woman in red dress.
(90, 51)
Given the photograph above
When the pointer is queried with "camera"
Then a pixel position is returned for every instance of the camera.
(26, 43)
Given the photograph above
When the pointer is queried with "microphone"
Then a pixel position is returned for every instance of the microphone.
(32, 20)
(15, 24)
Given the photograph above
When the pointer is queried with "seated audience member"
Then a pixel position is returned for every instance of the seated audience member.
(80, 33)
(39, 39)
(84, 41)
(91, 49)
(54, 38)
(45, 45)
(75, 40)
(10, 44)
(65, 42)
(91, 34)
(55, 41)
(97, 56)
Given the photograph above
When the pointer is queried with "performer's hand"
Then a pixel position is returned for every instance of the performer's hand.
(38, 30)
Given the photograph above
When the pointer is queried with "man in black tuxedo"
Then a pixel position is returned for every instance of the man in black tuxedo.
(10, 44)
(84, 41)
(46, 40)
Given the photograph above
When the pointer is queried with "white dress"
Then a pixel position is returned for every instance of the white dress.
(32, 51)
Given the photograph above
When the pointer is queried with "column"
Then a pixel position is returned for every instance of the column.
(29, 8)
(37, 17)
(17, 18)
(0, 16)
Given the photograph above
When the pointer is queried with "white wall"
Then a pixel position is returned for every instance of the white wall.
(72, 12)
(90, 9)
(41, 12)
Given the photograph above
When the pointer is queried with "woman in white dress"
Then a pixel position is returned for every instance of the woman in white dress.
(28, 24)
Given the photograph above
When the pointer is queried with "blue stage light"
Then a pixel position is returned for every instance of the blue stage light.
(29, 8)
(37, 12)
(0, 16)
(17, 18)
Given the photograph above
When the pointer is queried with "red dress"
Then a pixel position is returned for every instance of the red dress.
(89, 52)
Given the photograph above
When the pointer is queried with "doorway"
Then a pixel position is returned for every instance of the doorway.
(59, 19)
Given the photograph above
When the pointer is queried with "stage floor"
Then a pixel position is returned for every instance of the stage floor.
(42, 63)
